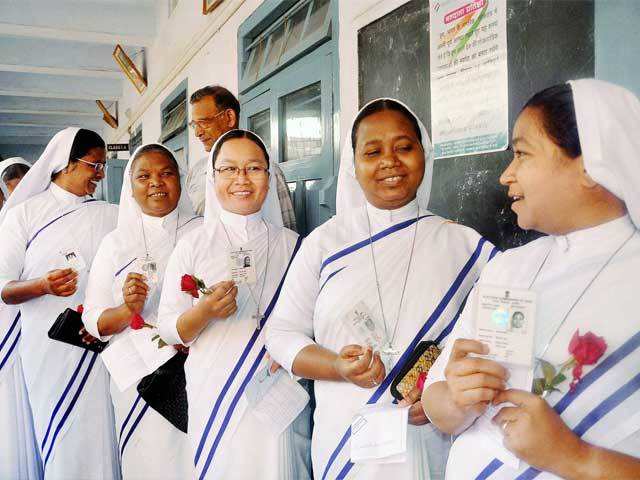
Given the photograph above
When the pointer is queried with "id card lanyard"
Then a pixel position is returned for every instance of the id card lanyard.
(258, 317)
(149, 266)
(389, 350)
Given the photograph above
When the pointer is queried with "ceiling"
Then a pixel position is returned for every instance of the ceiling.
(56, 61)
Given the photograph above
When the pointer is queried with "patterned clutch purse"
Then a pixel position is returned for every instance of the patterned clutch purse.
(420, 361)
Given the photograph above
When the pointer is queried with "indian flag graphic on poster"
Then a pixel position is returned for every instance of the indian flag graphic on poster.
(469, 81)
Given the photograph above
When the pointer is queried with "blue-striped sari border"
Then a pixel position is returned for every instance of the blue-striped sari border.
(607, 364)
(363, 243)
(243, 356)
(134, 425)
(330, 276)
(440, 308)
(10, 331)
(71, 405)
(35, 235)
(11, 349)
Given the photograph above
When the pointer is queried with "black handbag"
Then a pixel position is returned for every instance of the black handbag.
(165, 391)
(66, 329)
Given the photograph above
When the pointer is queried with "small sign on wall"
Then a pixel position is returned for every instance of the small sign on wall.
(117, 147)
(469, 82)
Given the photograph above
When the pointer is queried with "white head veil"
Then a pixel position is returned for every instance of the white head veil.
(53, 160)
(129, 212)
(608, 118)
(270, 208)
(3, 167)
(349, 193)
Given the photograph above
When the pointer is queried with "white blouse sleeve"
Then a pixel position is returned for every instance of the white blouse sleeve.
(13, 247)
(290, 326)
(99, 293)
(173, 301)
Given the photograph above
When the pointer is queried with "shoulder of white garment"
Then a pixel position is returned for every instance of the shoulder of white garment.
(455, 233)
(517, 259)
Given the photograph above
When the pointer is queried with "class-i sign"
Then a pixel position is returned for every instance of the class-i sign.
(117, 147)
(469, 77)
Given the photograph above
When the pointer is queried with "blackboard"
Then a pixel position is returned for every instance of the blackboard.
(549, 42)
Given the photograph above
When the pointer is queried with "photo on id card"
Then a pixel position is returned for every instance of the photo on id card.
(505, 321)
(242, 266)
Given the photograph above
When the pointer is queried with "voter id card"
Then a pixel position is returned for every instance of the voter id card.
(361, 323)
(242, 264)
(73, 259)
(505, 321)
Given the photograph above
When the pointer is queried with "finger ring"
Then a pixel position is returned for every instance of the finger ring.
(373, 382)
(504, 426)
(130, 290)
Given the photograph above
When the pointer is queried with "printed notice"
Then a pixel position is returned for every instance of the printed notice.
(469, 91)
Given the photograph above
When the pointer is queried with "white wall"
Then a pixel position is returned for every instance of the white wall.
(216, 62)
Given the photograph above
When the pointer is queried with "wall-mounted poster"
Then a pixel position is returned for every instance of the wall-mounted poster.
(210, 5)
(469, 82)
(130, 69)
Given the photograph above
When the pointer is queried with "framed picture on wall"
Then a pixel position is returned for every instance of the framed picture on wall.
(130, 69)
(106, 115)
(210, 5)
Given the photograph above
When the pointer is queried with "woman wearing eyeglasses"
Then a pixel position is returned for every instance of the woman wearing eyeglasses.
(224, 326)
(50, 233)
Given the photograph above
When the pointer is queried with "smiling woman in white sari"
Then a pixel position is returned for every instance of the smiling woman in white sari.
(51, 232)
(385, 258)
(570, 408)
(19, 456)
(224, 326)
(126, 280)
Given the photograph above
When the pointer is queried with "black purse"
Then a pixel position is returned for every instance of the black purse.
(66, 327)
(165, 391)
(420, 361)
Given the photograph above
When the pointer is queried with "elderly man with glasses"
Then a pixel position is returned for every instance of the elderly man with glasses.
(215, 111)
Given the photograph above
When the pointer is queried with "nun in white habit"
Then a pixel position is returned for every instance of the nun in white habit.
(224, 328)
(19, 454)
(575, 176)
(126, 279)
(384, 253)
(51, 231)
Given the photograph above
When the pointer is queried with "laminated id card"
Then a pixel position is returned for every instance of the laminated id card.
(505, 321)
(242, 266)
(73, 259)
(361, 323)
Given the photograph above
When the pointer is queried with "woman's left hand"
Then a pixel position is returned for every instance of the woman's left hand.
(535, 433)
(416, 412)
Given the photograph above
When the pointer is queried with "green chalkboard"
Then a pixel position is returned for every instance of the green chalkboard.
(549, 42)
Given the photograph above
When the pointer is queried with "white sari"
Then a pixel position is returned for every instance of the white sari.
(67, 388)
(19, 455)
(603, 409)
(334, 271)
(150, 446)
(227, 439)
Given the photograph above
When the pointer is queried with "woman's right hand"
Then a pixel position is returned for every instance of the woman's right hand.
(61, 283)
(473, 381)
(221, 302)
(360, 366)
(134, 292)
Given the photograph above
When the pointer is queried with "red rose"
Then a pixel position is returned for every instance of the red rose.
(80, 309)
(421, 379)
(136, 322)
(189, 285)
(587, 349)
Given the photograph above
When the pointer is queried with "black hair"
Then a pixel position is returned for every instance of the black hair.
(85, 140)
(558, 117)
(223, 98)
(231, 134)
(15, 171)
(156, 148)
(380, 105)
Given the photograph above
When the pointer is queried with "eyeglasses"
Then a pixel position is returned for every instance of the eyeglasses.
(233, 172)
(98, 166)
(205, 123)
